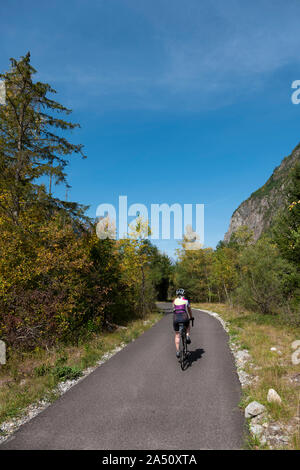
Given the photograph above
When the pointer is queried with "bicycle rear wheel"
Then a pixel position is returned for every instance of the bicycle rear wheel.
(183, 350)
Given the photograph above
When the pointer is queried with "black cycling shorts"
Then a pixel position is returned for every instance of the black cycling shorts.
(176, 322)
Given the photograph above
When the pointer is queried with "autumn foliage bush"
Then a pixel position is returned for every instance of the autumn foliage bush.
(59, 282)
(49, 285)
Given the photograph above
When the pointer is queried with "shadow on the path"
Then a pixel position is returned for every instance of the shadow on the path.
(195, 355)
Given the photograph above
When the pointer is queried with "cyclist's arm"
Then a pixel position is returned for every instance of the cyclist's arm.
(190, 311)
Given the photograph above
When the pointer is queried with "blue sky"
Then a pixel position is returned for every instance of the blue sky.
(185, 102)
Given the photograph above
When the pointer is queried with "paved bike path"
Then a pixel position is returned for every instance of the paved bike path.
(141, 399)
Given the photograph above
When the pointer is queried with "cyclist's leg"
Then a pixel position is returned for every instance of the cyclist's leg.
(177, 340)
(177, 335)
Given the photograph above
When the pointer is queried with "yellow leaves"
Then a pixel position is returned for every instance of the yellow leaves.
(291, 206)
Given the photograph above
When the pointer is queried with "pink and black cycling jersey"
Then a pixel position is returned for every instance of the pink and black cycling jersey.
(180, 306)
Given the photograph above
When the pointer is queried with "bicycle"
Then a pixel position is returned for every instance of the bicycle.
(183, 351)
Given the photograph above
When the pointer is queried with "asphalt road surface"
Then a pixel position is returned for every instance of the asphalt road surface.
(141, 399)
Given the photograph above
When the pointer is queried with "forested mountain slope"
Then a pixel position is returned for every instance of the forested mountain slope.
(258, 211)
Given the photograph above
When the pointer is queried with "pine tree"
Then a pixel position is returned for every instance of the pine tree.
(31, 142)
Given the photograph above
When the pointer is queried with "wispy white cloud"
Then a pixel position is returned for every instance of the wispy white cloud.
(161, 55)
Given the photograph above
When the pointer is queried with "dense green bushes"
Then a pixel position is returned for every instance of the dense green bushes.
(267, 280)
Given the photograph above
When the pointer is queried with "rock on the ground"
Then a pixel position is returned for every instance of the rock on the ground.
(295, 379)
(259, 419)
(254, 409)
(244, 378)
(263, 439)
(256, 429)
(273, 396)
(242, 356)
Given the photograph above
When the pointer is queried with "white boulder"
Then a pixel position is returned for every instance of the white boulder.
(273, 396)
(254, 409)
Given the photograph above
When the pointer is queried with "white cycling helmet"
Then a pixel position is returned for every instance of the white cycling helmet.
(180, 292)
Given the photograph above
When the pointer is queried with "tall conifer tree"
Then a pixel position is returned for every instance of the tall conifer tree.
(32, 144)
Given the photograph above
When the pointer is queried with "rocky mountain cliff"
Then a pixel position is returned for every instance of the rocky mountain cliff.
(259, 209)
